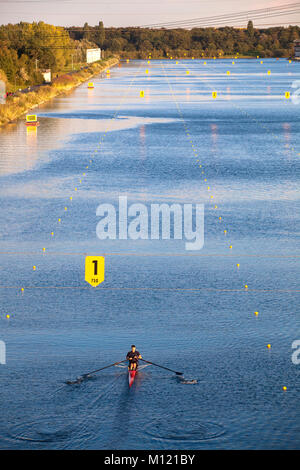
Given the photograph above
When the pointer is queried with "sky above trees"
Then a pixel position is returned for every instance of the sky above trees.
(134, 12)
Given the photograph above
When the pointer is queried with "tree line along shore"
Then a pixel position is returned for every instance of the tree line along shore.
(27, 49)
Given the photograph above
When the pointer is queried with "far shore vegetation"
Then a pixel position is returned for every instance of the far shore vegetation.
(28, 49)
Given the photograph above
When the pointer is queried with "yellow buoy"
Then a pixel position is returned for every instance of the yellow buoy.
(146, 71)
(246, 287)
(216, 207)
(220, 218)
(284, 388)
(66, 208)
(269, 72)
(7, 316)
(228, 72)
(287, 95)
(34, 268)
(214, 94)
(71, 198)
(59, 220)
(187, 72)
(52, 233)
(142, 94)
(225, 231)
(268, 346)
(256, 313)
(238, 265)
(230, 246)
(44, 249)
(22, 289)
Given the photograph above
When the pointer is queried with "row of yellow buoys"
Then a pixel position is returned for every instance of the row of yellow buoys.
(284, 388)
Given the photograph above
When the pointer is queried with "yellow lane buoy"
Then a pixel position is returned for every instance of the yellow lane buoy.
(22, 289)
(246, 287)
(8, 317)
(268, 346)
(284, 388)
(256, 313)
(34, 268)
(238, 265)
(44, 249)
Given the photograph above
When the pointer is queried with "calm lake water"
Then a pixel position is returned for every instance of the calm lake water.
(187, 310)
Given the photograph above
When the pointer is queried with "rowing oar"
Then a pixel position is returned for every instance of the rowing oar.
(162, 367)
(82, 377)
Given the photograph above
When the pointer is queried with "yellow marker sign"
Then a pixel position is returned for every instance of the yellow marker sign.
(142, 94)
(214, 94)
(31, 118)
(94, 270)
(287, 95)
(90, 85)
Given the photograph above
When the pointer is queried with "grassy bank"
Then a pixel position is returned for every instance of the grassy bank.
(21, 103)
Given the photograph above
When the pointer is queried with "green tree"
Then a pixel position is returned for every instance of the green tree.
(100, 34)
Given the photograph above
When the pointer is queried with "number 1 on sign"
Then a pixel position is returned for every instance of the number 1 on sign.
(94, 270)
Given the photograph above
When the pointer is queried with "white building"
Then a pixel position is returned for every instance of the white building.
(92, 55)
(47, 75)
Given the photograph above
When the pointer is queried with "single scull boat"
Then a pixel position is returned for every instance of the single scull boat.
(131, 377)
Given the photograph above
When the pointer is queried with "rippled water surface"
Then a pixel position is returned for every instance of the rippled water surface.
(188, 310)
